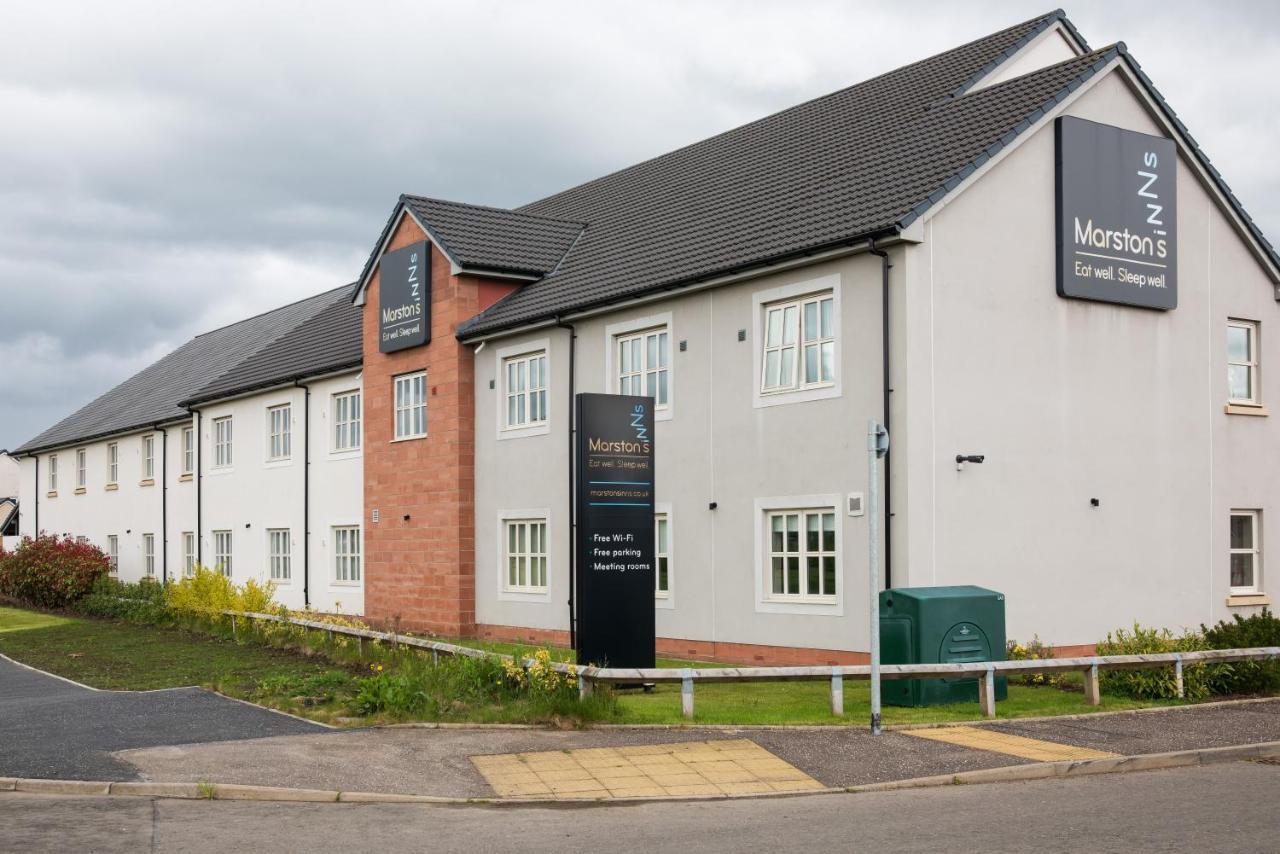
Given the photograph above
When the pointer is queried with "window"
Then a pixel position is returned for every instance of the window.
(53, 473)
(113, 553)
(526, 389)
(799, 344)
(1242, 362)
(222, 552)
(278, 418)
(222, 442)
(346, 421)
(188, 553)
(411, 406)
(662, 555)
(80, 465)
(802, 554)
(346, 554)
(1246, 552)
(149, 555)
(526, 555)
(278, 553)
(148, 457)
(113, 463)
(643, 363)
(188, 450)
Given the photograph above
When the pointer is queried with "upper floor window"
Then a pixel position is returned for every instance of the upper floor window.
(1246, 551)
(346, 421)
(113, 463)
(53, 473)
(148, 457)
(799, 344)
(222, 442)
(802, 554)
(525, 379)
(278, 432)
(411, 405)
(643, 363)
(81, 457)
(188, 450)
(1242, 362)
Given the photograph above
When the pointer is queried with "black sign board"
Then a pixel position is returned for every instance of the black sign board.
(615, 560)
(1117, 215)
(404, 298)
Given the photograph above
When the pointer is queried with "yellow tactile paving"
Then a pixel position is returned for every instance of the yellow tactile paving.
(981, 738)
(728, 767)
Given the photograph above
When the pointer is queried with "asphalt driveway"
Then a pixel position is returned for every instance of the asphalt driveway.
(54, 729)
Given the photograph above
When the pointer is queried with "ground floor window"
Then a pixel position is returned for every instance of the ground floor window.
(662, 555)
(278, 553)
(526, 555)
(1246, 551)
(188, 553)
(113, 552)
(802, 554)
(149, 555)
(222, 552)
(346, 554)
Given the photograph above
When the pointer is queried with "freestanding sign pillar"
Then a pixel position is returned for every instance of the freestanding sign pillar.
(615, 539)
(877, 447)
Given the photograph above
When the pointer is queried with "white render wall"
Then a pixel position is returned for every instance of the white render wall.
(253, 492)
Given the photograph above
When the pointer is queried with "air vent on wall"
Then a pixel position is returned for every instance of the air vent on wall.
(856, 504)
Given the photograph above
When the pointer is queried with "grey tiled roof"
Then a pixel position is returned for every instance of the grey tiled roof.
(328, 341)
(153, 396)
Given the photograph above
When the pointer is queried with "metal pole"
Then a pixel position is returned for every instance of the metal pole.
(877, 444)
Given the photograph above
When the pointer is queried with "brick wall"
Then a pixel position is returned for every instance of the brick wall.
(420, 556)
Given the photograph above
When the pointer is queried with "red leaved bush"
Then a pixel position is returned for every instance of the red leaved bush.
(51, 572)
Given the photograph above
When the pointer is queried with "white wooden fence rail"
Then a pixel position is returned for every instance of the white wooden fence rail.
(985, 671)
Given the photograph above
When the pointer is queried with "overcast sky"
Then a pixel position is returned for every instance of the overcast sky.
(166, 168)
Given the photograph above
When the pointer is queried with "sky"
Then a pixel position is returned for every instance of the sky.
(167, 168)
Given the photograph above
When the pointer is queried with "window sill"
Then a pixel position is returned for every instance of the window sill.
(112, 487)
(80, 490)
(344, 453)
(147, 482)
(1244, 600)
(53, 493)
(185, 477)
(525, 431)
(408, 439)
(355, 583)
(800, 395)
(1245, 409)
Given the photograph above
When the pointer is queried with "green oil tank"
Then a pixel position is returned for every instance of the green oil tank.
(934, 625)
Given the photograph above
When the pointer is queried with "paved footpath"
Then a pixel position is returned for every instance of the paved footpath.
(54, 729)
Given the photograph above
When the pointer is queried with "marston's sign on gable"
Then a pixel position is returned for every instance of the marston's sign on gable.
(1117, 215)
(404, 298)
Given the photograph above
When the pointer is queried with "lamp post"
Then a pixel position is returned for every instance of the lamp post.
(877, 447)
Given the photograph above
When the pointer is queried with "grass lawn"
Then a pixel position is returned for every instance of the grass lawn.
(119, 655)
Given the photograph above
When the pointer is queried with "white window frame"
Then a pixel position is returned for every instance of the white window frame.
(797, 293)
(346, 559)
(347, 417)
(279, 555)
(113, 464)
(664, 598)
(1251, 363)
(408, 407)
(530, 556)
(149, 555)
(188, 554)
(280, 433)
(149, 456)
(113, 553)
(1254, 551)
(528, 593)
(638, 326)
(223, 442)
(188, 450)
(223, 552)
(525, 406)
(515, 352)
(766, 602)
(53, 473)
(82, 464)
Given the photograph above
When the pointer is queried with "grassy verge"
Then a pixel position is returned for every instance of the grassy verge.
(120, 655)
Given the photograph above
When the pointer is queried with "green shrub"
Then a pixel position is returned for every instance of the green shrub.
(143, 602)
(1033, 650)
(1159, 682)
(51, 572)
(207, 593)
(1246, 677)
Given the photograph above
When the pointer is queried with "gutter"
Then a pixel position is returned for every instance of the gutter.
(573, 504)
(306, 492)
(885, 267)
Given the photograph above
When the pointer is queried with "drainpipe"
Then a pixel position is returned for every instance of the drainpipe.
(885, 266)
(164, 504)
(37, 494)
(573, 505)
(199, 483)
(306, 492)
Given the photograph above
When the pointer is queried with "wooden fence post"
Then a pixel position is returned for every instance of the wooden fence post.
(686, 693)
(584, 687)
(987, 693)
(1092, 693)
(234, 633)
(1177, 676)
(360, 647)
(837, 692)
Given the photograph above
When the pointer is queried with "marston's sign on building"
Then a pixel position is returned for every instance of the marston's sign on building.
(1117, 215)
(404, 298)
(615, 548)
